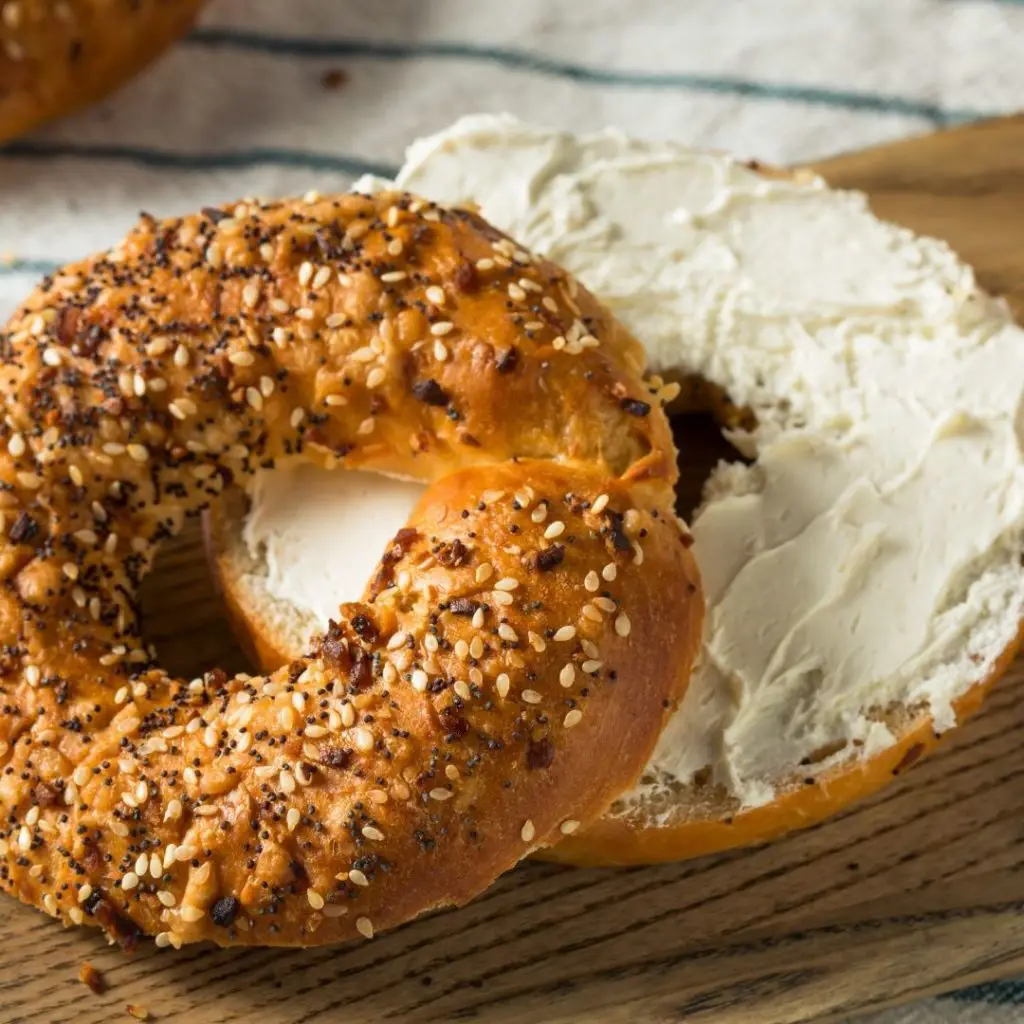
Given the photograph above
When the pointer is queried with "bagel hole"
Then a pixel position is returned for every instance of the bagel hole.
(701, 447)
(182, 613)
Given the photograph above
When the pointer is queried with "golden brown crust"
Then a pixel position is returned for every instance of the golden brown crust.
(511, 663)
(59, 55)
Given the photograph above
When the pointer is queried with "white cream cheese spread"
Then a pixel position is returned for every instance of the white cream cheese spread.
(871, 554)
(320, 533)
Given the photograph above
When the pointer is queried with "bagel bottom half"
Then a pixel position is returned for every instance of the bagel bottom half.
(862, 563)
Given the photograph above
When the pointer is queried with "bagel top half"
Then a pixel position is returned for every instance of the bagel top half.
(57, 56)
(516, 650)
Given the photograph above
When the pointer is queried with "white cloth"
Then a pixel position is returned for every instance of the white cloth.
(242, 108)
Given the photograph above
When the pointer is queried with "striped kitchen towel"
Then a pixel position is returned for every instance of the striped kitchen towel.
(270, 98)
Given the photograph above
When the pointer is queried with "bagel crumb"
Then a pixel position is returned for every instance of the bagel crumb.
(92, 978)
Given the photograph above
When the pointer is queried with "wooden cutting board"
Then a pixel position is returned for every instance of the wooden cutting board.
(918, 891)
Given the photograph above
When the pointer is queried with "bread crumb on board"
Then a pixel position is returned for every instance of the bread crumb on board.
(88, 975)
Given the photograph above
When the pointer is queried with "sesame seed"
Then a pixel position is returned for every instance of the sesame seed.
(419, 680)
(590, 611)
(622, 625)
(362, 739)
(305, 273)
(440, 793)
(357, 877)
(366, 427)
(591, 666)
(501, 684)
(254, 398)
(531, 696)
(251, 293)
(592, 581)
(555, 529)
(32, 675)
(462, 689)
(52, 357)
(241, 359)
(316, 901)
(485, 264)
(515, 293)
(440, 329)
(609, 572)
(574, 717)
(365, 927)
(130, 881)
(506, 632)
(191, 913)
(502, 599)
(168, 899)
(476, 646)
(527, 832)
(393, 276)
(440, 352)
(565, 633)
(568, 674)
(181, 356)
(321, 277)
(568, 827)
(606, 604)
(376, 377)
(436, 295)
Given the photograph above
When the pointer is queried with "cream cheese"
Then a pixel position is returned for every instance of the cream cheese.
(320, 533)
(872, 553)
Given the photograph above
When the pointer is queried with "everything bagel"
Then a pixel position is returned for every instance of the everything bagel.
(514, 655)
(59, 55)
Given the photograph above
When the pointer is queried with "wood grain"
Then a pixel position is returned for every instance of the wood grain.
(917, 891)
